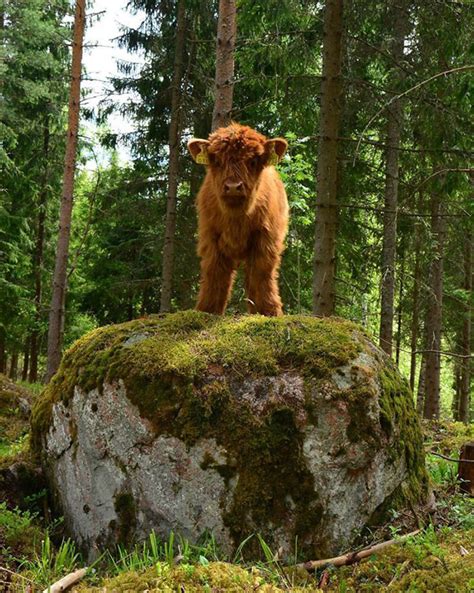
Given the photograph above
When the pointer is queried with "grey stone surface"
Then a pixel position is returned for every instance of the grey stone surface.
(100, 449)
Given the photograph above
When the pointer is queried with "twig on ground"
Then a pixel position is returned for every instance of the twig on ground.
(16, 574)
(353, 557)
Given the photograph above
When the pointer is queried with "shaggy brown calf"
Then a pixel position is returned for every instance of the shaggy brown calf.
(243, 217)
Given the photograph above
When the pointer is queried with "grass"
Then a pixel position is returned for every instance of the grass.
(177, 565)
(50, 564)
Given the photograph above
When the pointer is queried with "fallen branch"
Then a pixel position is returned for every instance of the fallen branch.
(353, 557)
(451, 458)
(67, 581)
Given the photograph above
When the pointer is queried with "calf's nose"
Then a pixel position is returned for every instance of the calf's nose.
(233, 187)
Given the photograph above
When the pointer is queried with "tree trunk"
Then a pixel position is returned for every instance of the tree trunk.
(415, 319)
(327, 169)
(400, 312)
(26, 361)
(465, 382)
(394, 128)
(466, 468)
(457, 389)
(173, 142)
(38, 259)
(57, 310)
(224, 82)
(420, 395)
(435, 312)
(14, 366)
(3, 353)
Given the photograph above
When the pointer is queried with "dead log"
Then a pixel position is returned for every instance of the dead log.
(66, 582)
(353, 557)
(466, 468)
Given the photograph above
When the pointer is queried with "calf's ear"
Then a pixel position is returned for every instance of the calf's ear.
(275, 150)
(198, 150)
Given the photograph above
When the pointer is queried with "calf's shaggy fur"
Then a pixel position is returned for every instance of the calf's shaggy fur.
(242, 217)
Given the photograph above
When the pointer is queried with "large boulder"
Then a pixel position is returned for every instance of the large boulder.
(292, 427)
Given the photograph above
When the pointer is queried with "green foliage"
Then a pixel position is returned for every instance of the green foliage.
(34, 40)
(13, 523)
(19, 534)
(14, 423)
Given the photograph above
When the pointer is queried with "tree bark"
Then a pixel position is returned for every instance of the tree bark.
(173, 170)
(3, 352)
(13, 374)
(394, 128)
(465, 382)
(224, 81)
(327, 169)
(457, 365)
(26, 361)
(400, 311)
(38, 260)
(435, 312)
(415, 319)
(466, 468)
(420, 394)
(57, 310)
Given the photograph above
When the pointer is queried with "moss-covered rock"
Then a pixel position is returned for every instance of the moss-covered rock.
(294, 427)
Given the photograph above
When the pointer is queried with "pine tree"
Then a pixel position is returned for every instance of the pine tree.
(466, 335)
(173, 162)
(327, 175)
(57, 310)
(399, 17)
(435, 311)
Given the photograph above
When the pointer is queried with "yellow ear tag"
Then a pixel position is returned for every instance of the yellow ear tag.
(202, 158)
(273, 159)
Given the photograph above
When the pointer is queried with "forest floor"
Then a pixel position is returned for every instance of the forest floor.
(34, 552)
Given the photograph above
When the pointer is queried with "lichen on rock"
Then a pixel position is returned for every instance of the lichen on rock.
(294, 427)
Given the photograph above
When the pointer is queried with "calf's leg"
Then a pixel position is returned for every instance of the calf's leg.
(261, 284)
(217, 277)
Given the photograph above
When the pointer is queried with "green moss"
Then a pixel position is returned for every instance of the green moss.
(396, 413)
(214, 577)
(181, 346)
(428, 563)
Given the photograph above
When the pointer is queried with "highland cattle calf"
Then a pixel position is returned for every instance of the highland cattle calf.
(242, 217)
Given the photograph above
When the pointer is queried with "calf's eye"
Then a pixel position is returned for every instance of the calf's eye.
(254, 163)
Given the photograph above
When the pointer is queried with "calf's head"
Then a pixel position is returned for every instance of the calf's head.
(235, 157)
